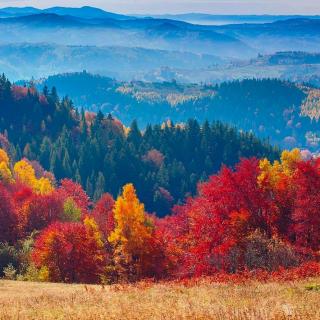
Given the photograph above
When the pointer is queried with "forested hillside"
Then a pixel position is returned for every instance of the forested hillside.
(257, 221)
(269, 108)
(43, 59)
(164, 162)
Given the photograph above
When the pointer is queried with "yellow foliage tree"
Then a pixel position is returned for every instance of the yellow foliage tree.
(93, 231)
(4, 157)
(95, 241)
(289, 159)
(43, 186)
(269, 173)
(5, 172)
(272, 174)
(25, 173)
(131, 236)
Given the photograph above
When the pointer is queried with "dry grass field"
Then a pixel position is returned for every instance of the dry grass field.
(26, 300)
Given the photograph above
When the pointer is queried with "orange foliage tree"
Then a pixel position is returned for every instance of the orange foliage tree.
(131, 237)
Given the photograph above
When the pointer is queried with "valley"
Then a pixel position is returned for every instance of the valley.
(162, 165)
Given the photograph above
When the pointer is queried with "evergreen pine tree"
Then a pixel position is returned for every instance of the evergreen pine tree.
(99, 187)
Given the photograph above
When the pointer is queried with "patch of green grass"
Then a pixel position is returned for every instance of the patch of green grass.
(313, 287)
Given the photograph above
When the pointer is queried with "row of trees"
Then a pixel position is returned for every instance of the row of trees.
(165, 163)
(261, 215)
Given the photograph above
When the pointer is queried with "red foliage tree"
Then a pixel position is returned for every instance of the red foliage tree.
(171, 238)
(230, 206)
(69, 253)
(306, 217)
(103, 214)
(154, 157)
(20, 195)
(41, 210)
(43, 99)
(8, 217)
(19, 92)
(70, 189)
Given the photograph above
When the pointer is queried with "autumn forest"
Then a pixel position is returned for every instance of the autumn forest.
(85, 199)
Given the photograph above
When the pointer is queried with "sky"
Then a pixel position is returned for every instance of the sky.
(183, 6)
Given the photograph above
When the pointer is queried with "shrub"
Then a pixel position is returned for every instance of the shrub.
(71, 212)
(8, 256)
(30, 274)
(271, 254)
(313, 287)
(10, 272)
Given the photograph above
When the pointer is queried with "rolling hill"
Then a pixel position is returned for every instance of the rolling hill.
(260, 34)
(284, 35)
(148, 33)
(25, 60)
(18, 12)
(92, 27)
(282, 111)
(97, 151)
(85, 12)
(213, 19)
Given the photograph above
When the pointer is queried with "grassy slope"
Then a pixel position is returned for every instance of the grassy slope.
(25, 300)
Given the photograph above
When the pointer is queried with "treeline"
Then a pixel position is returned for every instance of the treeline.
(267, 107)
(261, 218)
(164, 162)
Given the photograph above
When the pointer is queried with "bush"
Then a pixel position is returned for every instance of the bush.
(10, 272)
(8, 256)
(71, 213)
(313, 287)
(263, 253)
(30, 274)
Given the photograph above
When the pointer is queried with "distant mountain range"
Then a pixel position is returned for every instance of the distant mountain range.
(95, 27)
(213, 19)
(147, 33)
(83, 12)
(88, 12)
(37, 43)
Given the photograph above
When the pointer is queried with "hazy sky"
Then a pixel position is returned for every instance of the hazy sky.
(179, 6)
